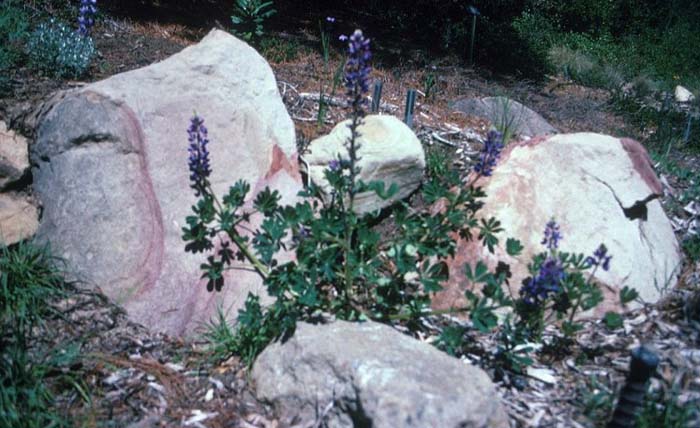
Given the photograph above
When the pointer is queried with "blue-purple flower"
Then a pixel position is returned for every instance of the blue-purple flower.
(334, 165)
(86, 18)
(330, 19)
(198, 161)
(548, 281)
(357, 68)
(552, 235)
(600, 258)
(490, 153)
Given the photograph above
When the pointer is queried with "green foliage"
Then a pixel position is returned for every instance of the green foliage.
(664, 410)
(248, 18)
(342, 266)
(429, 82)
(691, 247)
(14, 27)
(596, 400)
(58, 50)
(28, 281)
(613, 320)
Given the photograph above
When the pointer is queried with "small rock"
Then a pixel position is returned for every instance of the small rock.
(19, 218)
(14, 156)
(683, 95)
(543, 375)
(389, 152)
(502, 111)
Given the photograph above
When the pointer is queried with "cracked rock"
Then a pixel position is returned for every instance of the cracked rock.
(600, 190)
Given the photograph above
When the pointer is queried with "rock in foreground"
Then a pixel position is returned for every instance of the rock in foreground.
(111, 172)
(600, 190)
(368, 374)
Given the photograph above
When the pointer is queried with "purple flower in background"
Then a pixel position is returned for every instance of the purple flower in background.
(343, 38)
(490, 153)
(357, 69)
(330, 19)
(334, 165)
(600, 257)
(548, 280)
(198, 154)
(552, 236)
(86, 18)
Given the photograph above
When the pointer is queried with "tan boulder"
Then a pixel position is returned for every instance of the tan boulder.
(14, 156)
(110, 169)
(19, 218)
(594, 186)
(389, 152)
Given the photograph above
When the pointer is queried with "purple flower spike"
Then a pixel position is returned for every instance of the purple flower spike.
(334, 165)
(198, 155)
(552, 236)
(88, 9)
(548, 281)
(490, 153)
(600, 257)
(357, 69)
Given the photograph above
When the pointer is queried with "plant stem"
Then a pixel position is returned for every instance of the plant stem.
(238, 240)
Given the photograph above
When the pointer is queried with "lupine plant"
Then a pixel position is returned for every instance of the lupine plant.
(342, 266)
(559, 287)
(86, 18)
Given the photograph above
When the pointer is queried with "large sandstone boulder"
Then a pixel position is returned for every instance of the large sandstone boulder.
(368, 374)
(19, 218)
(390, 152)
(520, 119)
(594, 186)
(110, 168)
(14, 156)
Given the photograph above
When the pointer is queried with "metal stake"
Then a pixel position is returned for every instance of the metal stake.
(642, 366)
(410, 104)
(377, 96)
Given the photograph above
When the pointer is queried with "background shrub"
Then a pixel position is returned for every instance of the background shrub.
(59, 50)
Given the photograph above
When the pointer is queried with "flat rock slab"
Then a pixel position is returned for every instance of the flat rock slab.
(110, 168)
(19, 218)
(14, 156)
(389, 152)
(520, 119)
(370, 375)
(588, 183)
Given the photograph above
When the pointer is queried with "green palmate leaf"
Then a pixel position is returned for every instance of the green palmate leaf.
(513, 247)
(236, 195)
(480, 273)
(628, 294)
(487, 233)
(451, 339)
(378, 188)
(267, 201)
(612, 320)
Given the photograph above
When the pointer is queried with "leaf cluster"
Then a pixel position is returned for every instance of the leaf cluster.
(341, 265)
(248, 18)
(55, 48)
